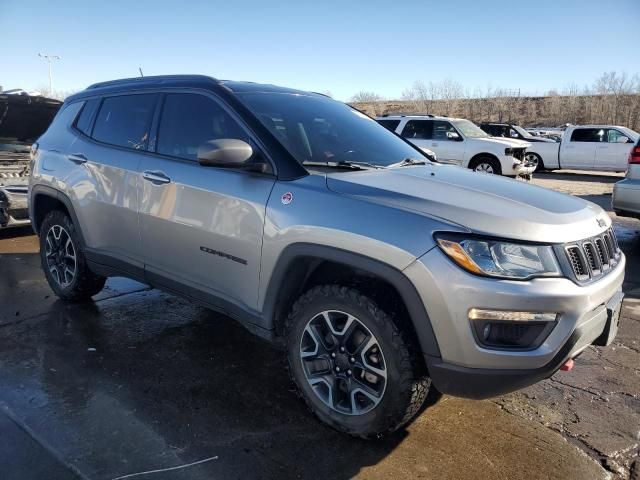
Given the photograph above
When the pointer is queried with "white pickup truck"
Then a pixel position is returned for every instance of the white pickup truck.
(587, 147)
(459, 142)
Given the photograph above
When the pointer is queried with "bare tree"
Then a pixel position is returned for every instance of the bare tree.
(613, 98)
(364, 96)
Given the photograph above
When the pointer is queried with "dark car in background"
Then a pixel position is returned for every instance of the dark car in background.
(23, 118)
(510, 130)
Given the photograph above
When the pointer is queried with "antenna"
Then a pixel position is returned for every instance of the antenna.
(140, 69)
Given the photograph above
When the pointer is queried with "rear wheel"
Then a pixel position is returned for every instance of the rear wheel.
(63, 262)
(351, 363)
(486, 165)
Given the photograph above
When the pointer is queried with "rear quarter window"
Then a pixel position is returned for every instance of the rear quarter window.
(389, 124)
(125, 120)
(85, 119)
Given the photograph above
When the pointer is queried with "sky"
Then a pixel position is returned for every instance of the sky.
(341, 47)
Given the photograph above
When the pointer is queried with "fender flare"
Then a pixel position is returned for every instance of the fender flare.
(279, 281)
(38, 191)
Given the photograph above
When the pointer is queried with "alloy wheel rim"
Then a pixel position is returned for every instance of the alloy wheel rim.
(60, 254)
(484, 168)
(343, 362)
(531, 159)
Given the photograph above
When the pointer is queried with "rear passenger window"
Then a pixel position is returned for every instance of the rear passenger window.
(190, 120)
(83, 123)
(588, 135)
(389, 124)
(419, 129)
(125, 120)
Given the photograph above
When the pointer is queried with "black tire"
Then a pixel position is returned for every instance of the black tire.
(406, 385)
(538, 160)
(495, 164)
(84, 283)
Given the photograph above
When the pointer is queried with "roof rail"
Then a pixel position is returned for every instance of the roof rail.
(430, 115)
(151, 79)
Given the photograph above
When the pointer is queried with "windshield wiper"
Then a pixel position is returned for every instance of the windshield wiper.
(344, 164)
(407, 162)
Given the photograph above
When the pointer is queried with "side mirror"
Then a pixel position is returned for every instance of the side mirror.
(453, 136)
(623, 140)
(225, 153)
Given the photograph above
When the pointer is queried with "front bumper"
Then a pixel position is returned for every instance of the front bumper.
(14, 209)
(516, 168)
(626, 197)
(448, 293)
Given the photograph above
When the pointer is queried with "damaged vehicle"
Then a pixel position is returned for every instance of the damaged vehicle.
(23, 118)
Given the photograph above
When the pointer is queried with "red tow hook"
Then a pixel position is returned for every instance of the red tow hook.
(568, 365)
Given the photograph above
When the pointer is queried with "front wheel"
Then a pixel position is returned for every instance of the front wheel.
(534, 159)
(352, 364)
(486, 165)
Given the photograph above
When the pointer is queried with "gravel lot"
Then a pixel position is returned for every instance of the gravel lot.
(140, 380)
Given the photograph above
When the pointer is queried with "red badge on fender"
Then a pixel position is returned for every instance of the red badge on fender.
(287, 198)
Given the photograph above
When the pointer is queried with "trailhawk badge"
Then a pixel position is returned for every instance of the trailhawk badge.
(287, 198)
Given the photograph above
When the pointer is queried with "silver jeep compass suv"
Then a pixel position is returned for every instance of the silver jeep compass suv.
(381, 273)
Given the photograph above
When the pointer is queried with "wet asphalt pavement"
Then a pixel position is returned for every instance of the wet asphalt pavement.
(140, 380)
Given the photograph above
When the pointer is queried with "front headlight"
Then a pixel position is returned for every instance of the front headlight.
(497, 258)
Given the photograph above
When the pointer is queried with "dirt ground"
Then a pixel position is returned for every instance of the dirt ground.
(140, 380)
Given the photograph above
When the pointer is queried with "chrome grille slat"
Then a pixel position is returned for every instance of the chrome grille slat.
(602, 252)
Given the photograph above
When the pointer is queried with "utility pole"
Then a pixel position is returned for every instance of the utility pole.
(49, 59)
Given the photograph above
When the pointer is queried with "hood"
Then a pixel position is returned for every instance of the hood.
(507, 142)
(485, 204)
(540, 139)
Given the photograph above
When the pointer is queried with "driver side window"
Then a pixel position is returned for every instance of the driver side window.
(444, 131)
(189, 120)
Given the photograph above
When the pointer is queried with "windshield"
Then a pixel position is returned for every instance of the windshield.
(469, 129)
(522, 131)
(318, 130)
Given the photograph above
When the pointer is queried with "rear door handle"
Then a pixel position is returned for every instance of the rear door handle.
(434, 144)
(78, 158)
(155, 177)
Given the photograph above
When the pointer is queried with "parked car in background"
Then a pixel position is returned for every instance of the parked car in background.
(626, 193)
(460, 142)
(380, 272)
(587, 147)
(554, 133)
(509, 130)
(23, 118)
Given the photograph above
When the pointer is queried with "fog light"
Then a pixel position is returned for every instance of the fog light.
(510, 316)
(502, 329)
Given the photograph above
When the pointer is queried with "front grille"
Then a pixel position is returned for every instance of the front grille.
(519, 153)
(593, 257)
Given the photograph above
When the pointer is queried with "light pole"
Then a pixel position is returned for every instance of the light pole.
(49, 59)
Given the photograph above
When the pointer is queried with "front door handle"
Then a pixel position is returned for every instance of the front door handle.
(155, 177)
(434, 144)
(78, 158)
